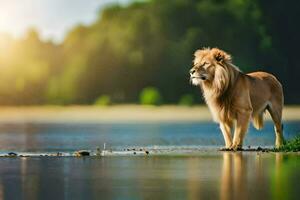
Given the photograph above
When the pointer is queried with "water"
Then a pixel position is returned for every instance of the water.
(199, 175)
(207, 176)
(70, 137)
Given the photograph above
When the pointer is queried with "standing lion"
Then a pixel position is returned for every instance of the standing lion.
(234, 98)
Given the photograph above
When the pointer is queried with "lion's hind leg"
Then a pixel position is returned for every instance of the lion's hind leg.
(275, 111)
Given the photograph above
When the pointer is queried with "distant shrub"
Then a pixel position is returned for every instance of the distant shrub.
(150, 96)
(103, 100)
(186, 100)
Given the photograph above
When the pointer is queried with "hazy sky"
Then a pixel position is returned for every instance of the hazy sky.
(52, 18)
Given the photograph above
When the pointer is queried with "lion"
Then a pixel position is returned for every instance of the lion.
(235, 98)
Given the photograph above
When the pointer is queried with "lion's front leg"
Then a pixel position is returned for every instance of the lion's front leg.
(226, 131)
(241, 128)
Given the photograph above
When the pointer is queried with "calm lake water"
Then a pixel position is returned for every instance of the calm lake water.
(70, 137)
(208, 174)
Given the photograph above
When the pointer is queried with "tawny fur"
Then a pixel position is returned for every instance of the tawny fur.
(234, 98)
(258, 121)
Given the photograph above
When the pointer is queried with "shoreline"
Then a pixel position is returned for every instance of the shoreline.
(117, 114)
(143, 152)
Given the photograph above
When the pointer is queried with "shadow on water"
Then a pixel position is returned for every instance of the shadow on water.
(221, 175)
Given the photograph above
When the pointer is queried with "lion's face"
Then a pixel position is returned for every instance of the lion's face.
(204, 67)
(203, 70)
(208, 65)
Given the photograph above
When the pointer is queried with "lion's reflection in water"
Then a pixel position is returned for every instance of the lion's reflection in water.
(233, 176)
(208, 175)
(244, 176)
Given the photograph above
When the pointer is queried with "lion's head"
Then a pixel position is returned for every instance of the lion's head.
(212, 68)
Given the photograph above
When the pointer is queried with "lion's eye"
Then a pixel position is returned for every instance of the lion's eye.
(202, 65)
(206, 65)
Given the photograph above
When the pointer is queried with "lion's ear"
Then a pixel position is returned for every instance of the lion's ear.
(220, 55)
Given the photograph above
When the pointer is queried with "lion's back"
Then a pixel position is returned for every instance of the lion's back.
(265, 78)
(265, 86)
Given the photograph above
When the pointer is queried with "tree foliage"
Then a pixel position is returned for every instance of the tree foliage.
(150, 43)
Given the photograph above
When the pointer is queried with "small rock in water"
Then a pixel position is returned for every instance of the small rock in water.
(98, 151)
(12, 154)
(147, 152)
(239, 149)
(82, 153)
(59, 154)
(259, 149)
(134, 152)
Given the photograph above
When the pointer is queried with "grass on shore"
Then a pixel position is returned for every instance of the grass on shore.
(292, 145)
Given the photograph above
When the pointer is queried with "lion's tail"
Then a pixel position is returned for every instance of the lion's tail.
(258, 121)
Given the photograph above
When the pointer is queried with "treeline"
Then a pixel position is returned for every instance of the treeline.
(150, 44)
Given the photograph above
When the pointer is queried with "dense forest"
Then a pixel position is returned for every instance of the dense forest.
(150, 44)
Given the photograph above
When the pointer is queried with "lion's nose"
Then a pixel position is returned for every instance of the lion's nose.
(192, 71)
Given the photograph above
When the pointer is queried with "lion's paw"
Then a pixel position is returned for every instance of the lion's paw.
(236, 147)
